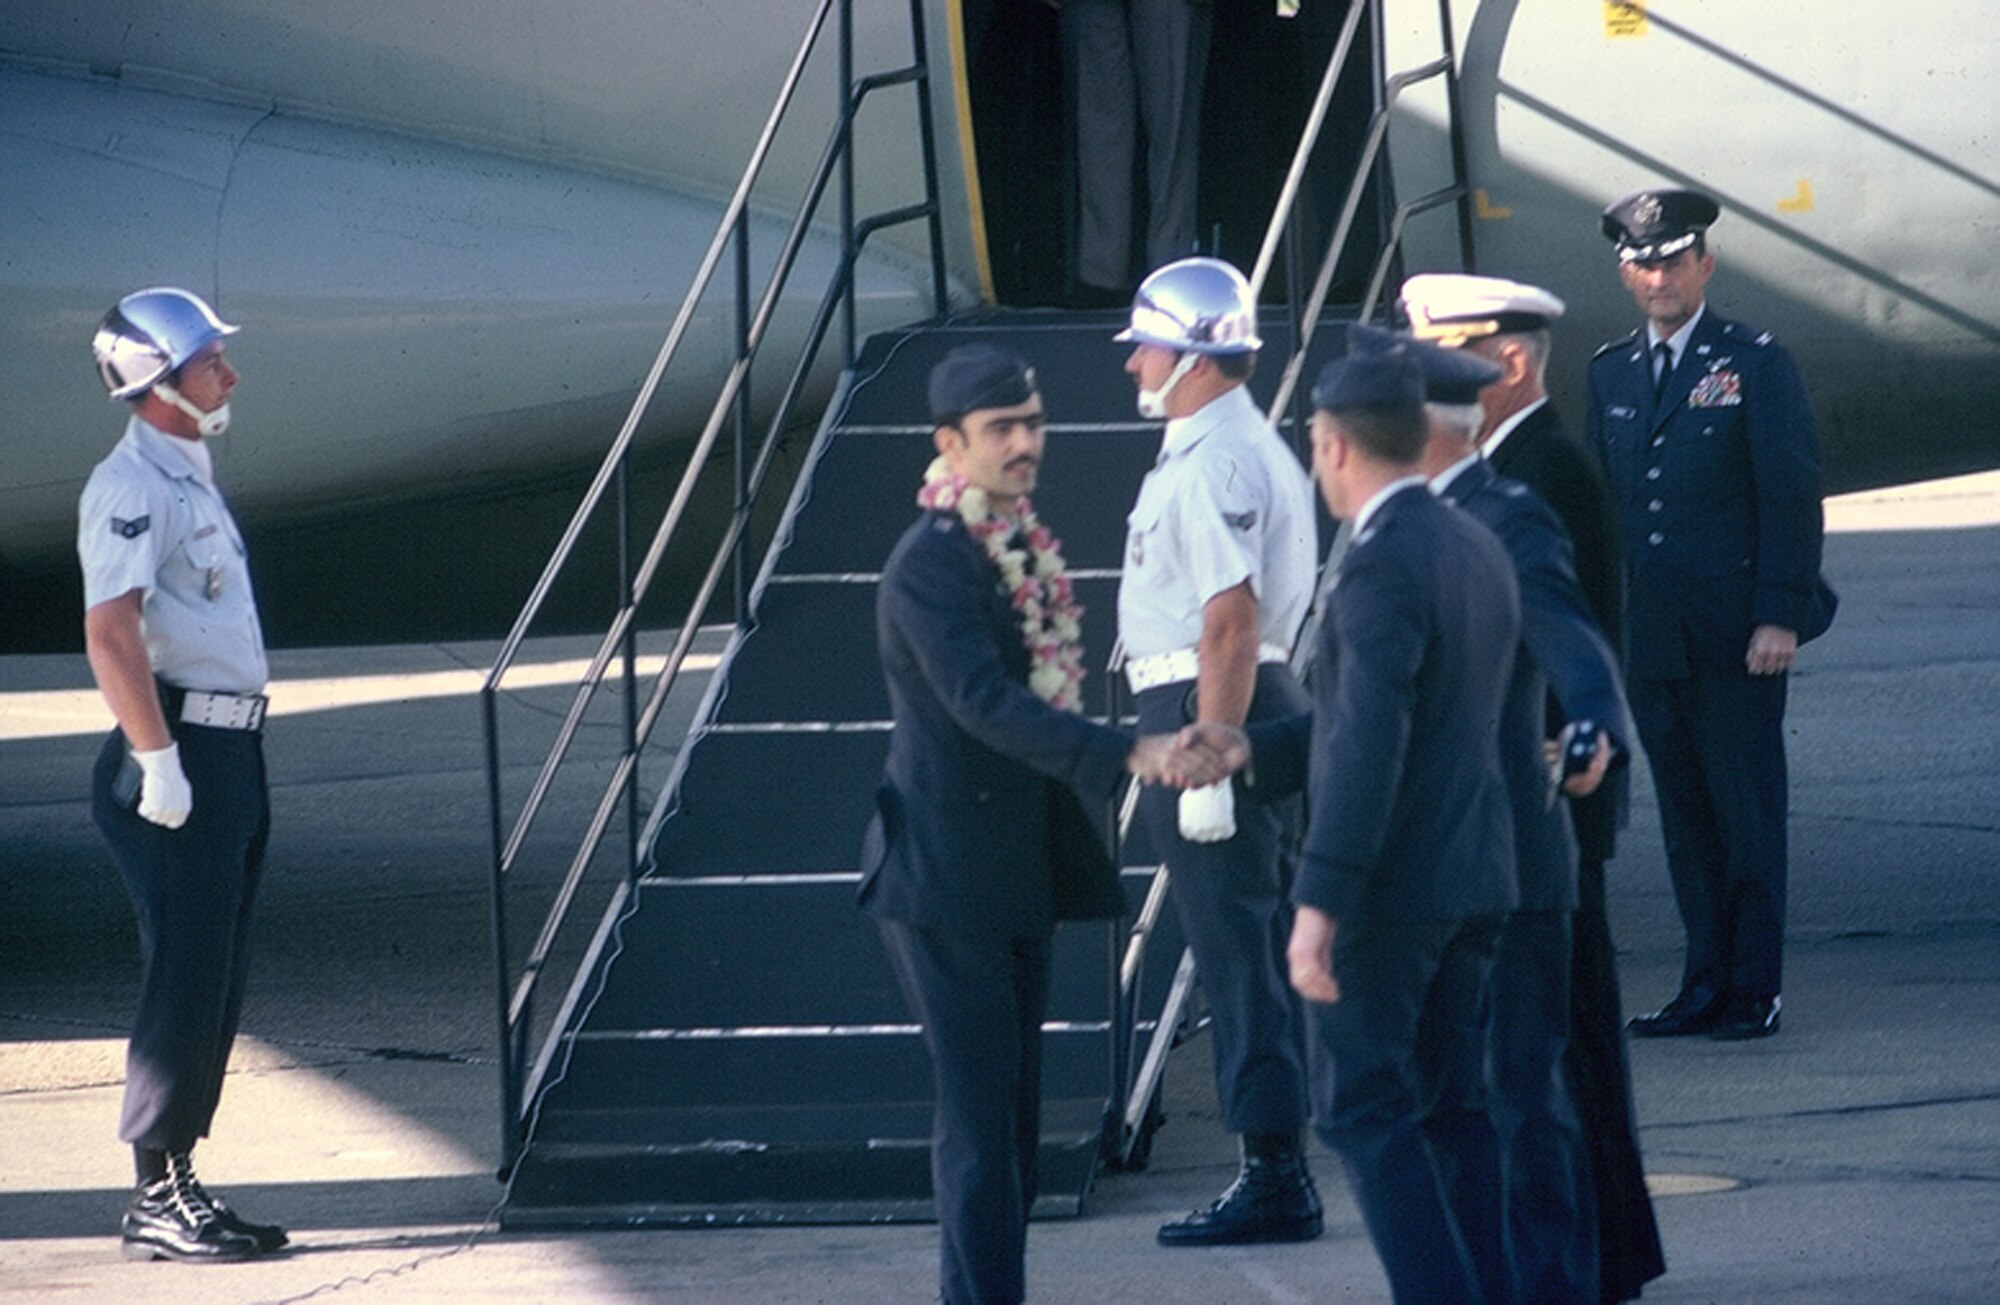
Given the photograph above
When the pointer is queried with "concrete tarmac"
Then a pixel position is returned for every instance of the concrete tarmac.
(1855, 1157)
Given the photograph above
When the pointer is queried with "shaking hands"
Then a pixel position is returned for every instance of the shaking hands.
(1203, 753)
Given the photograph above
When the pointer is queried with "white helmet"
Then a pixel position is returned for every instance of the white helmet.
(1198, 305)
(150, 334)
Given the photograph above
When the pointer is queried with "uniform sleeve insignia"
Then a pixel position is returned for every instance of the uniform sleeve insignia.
(1241, 520)
(132, 529)
(1718, 389)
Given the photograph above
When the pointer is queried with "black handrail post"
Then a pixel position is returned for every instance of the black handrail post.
(743, 415)
(849, 347)
(628, 597)
(1454, 110)
(510, 1068)
(927, 134)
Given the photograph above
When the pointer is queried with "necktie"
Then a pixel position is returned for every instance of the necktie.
(1665, 354)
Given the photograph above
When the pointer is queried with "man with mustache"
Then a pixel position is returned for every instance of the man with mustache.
(983, 836)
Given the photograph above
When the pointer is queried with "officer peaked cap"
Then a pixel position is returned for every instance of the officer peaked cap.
(1451, 308)
(1650, 226)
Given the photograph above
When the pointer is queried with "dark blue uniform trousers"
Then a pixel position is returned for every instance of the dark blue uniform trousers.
(1551, 1233)
(192, 889)
(1399, 1069)
(980, 997)
(1232, 900)
(1716, 743)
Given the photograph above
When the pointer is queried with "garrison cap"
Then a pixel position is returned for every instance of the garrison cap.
(1650, 226)
(975, 376)
(1382, 377)
(1448, 375)
(1451, 308)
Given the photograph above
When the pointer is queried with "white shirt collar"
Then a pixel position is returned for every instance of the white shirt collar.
(1677, 343)
(1442, 481)
(1506, 428)
(1183, 433)
(1381, 496)
(176, 457)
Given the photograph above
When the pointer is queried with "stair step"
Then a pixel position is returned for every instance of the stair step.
(873, 1178)
(812, 655)
(814, 956)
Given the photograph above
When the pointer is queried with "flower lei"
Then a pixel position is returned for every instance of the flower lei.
(1051, 618)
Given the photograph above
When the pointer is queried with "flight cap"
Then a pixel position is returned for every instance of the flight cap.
(975, 376)
(1447, 375)
(1386, 377)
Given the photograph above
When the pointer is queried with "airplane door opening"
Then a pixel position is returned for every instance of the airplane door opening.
(1260, 77)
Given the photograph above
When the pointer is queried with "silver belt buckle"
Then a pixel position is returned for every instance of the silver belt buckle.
(224, 711)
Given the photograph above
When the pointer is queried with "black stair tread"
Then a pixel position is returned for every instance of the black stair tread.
(812, 957)
(771, 803)
(1079, 368)
(864, 1184)
(864, 496)
(622, 1072)
(812, 655)
(812, 1125)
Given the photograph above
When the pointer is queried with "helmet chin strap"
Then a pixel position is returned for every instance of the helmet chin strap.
(210, 424)
(1153, 403)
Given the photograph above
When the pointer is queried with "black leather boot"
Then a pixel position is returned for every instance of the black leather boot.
(1272, 1200)
(173, 1217)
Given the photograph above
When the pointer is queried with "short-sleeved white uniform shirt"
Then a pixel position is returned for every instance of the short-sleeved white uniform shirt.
(1227, 502)
(151, 520)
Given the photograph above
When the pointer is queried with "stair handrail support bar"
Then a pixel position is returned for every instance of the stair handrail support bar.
(515, 999)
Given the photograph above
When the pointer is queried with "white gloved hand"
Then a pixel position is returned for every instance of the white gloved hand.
(165, 796)
(1208, 815)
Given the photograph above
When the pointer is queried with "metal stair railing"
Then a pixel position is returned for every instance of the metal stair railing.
(516, 993)
(1145, 1079)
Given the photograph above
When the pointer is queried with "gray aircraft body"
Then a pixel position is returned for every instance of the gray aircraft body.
(456, 235)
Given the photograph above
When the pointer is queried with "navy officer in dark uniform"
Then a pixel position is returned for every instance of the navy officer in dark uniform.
(171, 629)
(1510, 324)
(980, 841)
(1407, 868)
(1546, 1235)
(1708, 442)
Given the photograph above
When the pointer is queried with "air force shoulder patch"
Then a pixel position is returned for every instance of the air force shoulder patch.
(1241, 520)
(132, 529)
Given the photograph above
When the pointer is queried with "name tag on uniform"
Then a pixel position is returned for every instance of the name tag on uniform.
(1619, 412)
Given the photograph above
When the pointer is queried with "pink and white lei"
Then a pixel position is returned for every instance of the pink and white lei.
(1051, 618)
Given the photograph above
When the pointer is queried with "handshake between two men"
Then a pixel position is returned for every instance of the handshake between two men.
(1208, 752)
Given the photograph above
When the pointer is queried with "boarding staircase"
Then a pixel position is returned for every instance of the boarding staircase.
(732, 1047)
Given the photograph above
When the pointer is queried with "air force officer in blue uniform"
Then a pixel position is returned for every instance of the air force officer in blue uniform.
(981, 838)
(1708, 442)
(1407, 868)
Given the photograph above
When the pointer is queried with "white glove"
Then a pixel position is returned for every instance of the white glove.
(1208, 815)
(165, 796)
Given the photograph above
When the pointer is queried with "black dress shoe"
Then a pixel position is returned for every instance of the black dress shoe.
(1692, 1011)
(1272, 1200)
(174, 1220)
(1746, 1017)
